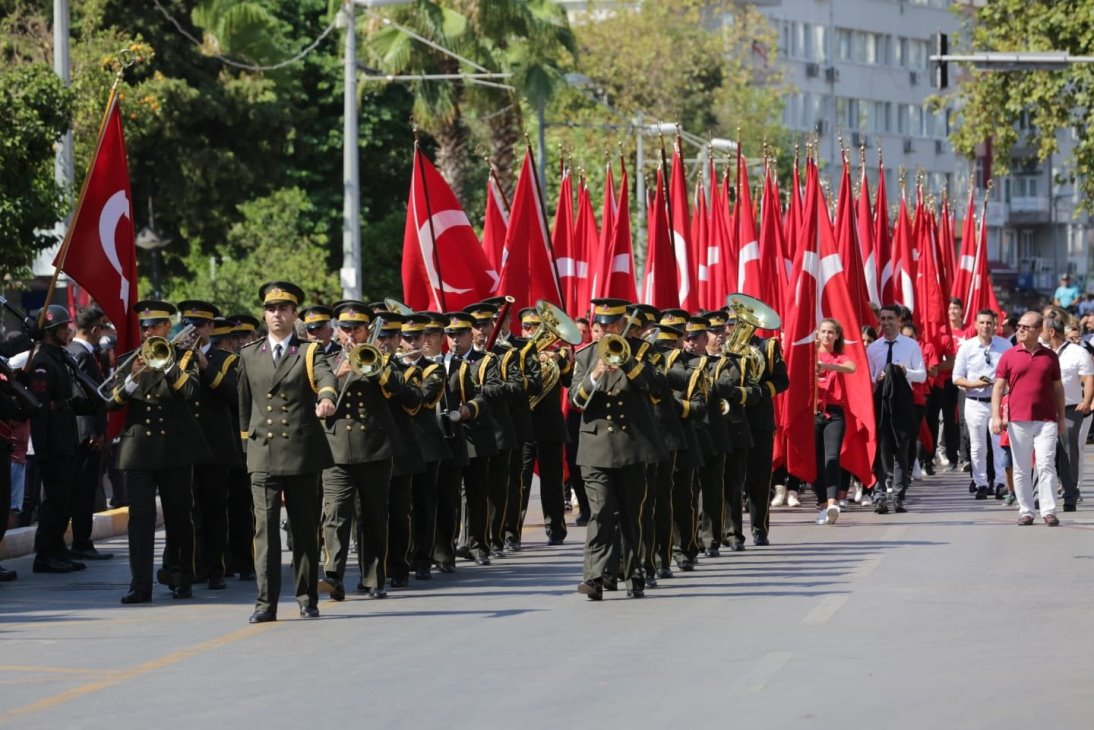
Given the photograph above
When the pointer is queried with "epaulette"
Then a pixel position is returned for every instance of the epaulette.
(252, 344)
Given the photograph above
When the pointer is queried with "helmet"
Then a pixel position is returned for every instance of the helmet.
(56, 316)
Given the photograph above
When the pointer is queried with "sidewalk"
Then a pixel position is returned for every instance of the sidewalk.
(111, 523)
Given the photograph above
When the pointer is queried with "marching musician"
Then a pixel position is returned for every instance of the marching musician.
(223, 355)
(158, 447)
(318, 328)
(761, 420)
(285, 379)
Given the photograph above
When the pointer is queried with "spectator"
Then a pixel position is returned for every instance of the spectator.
(1065, 295)
(1086, 306)
(1030, 372)
(1077, 376)
(829, 425)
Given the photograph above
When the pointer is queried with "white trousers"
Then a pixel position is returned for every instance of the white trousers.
(1029, 439)
(978, 420)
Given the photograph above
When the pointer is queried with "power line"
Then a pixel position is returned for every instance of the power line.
(248, 66)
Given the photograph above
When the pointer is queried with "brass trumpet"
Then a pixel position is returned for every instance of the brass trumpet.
(158, 354)
(613, 351)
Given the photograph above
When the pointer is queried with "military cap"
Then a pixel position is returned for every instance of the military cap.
(244, 323)
(351, 313)
(415, 324)
(457, 322)
(278, 292)
(391, 323)
(435, 322)
(668, 333)
(152, 311)
(316, 316)
(674, 317)
(696, 326)
(222, 327)
(529, 316)
(482, 313)
(197, 312)
(647, 315)
(608, 310)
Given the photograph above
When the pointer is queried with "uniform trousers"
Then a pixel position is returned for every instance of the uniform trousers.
(301, 492)
(211, 518)
(447, 521)
(476, 504)
(549, 456)
(712, 497)
(758, 482)
(498, 494)
(652, 514)
(616, 500)
(399, 506)
(358, 491)
(735, 471)
(86, 479)
(423, 516)
(1029, 439)
(177, 499)
(577, 483)
(241, 528)
(977, 419)
(685, 513)
(55, 508)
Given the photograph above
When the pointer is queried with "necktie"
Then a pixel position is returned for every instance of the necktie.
(277, 355)
(889, 354)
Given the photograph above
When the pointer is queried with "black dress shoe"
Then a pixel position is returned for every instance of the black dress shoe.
(982, 493)
(928, 469)
(899, 507)
(636, 592)
(6, 576)
(246, 575)
(423, 574)
(712, 552)
(89, 553)
(1000, 491)
(52, 565)
(164, 578)
(463, 552)
(664, 573)
(137, 597)
(446, 567)
(610, 584)
(512, 545)
(262, 617)
(582, 520)
(182, 592)
(651, 582)
(592, 589)
(552, 540)
(685, 565)
(76, 564)
(216, 583)
(309, 612)
(972, 487)
(761, 541)
(377, 593)
(333, 587)
(482, 560)
(1069, 508)
(400, 582)
(736, 547)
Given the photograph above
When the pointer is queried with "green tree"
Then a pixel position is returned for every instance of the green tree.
(990, 104)
(36, 110)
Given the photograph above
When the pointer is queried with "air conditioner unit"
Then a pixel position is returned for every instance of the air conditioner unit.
(831, 74)
(939, 147)
(812, 70)
(908, 148)
(913, 78)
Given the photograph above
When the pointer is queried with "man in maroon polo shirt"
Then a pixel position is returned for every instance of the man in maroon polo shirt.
(1031, 373)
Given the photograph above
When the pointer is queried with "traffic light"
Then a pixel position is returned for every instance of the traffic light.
(941, 78)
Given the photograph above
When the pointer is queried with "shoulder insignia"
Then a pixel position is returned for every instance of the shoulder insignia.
(309, 364)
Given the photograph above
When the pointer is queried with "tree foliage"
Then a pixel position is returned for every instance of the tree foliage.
(990, 104)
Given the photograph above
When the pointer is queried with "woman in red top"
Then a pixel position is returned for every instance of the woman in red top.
(828, 423)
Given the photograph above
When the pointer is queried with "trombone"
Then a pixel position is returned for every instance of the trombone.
(157, 353)
(613, 351)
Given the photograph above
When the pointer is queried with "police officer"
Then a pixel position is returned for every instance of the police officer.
(285, 387)
(157, 449)
(616, 440)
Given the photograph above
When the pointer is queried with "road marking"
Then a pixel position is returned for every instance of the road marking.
(896, 532)
(27, 669)
(128, 674)
(825, 610)
(867, 566)
(760, 676)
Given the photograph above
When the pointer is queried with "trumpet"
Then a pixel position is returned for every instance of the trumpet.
(613, 351)
(364, 360)
(157, 354)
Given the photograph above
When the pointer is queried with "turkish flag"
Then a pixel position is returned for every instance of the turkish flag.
(981, 292)
(963, 272)
(444, 267)
(660, 288)
(586, 242)
(864, 226)
(851, 251)
(771, 279)
(930, 314)
(687, 269)
(883, 240)
(99, 252)
(721, 263)
(563, 240)
(748, 244)
(700, 234)
(530, 272)
(616, 264)
(495, 224)
(903, 264)
(946, 248)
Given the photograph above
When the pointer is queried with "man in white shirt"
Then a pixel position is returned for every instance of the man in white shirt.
(974, 373)
(1077, 375)
(896, 350)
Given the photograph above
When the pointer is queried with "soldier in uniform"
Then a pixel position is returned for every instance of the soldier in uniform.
(761, 420)
(285, 387)
(88, 468)
(157, 450)
(54, 433)
(216, 409)
(549, 437)
(740, 444)
(470, 437)
(615, 442)
(318, 328)
(245, 330)
(426, 377)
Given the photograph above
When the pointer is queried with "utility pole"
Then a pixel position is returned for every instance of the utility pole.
(351, 175)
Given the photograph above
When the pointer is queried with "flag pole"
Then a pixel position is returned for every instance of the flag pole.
(125, 60)
(546, 233)
(438, 296)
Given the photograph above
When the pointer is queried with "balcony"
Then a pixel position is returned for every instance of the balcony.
(1029, 210)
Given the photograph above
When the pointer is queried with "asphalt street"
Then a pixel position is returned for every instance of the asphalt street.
(949, 616)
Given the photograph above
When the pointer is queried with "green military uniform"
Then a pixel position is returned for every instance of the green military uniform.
(761, 420)
(287, 448)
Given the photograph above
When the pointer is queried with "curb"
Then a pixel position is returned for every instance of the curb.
(19, 542)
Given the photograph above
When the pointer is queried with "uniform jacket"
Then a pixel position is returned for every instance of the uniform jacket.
(499, 378)
(277, 408)
(474, 437)
(761, 415)
(216, 408)
(742, 394)
(548, 424)
(427, 377)
(53, 428)
(92, 425)
(403, 403)
(160, 431)
(520, 364)
(671, 408)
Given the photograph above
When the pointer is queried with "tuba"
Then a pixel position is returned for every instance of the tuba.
(752, 314)
(554, 325)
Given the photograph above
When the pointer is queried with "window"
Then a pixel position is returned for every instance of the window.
(900, 52)
(820, 44)
(917, 55)
(843, 44)
(902, 119)
(882, 116)
(1026, 249)
(1008, 247)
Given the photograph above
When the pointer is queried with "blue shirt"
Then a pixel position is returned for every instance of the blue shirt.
(1065, 295)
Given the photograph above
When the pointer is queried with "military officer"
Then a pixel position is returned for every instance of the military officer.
(615, 442)
(157, 450)
(470, 437)
(245, 329)
(549, 437)
(224, 356)
(761, 420)
(427, 377)
(285, 387)
(318, 328)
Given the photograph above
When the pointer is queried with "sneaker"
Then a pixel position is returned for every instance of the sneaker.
(857, 496)
(1025, 520)
(833, 514)
(865, 501)
(844, 504)
(982, 493)
(792, 500)
(780, 496)
(881, 507)
(1010, 500)
(917, 472)
(822, 517)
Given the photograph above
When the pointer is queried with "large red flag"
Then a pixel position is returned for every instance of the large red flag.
(963, 272)
(700, 235)
(597, 256)
(444, 267)
(981, 293)
(930, 312)
(882, 239)
(99, 251)
(530, 272)
(721, 259)
(771, 290)
(616, 266)
(564, 240)
(687, 270)
(903, 263)
(748, 244)
(865, 227)
(850, 251)
(495, 224)
(659, 287)
(947, 251)
(585, 241)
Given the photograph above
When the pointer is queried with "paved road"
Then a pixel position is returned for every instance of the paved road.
(949, 616)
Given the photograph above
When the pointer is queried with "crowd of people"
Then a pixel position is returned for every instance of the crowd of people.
(411, 438)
